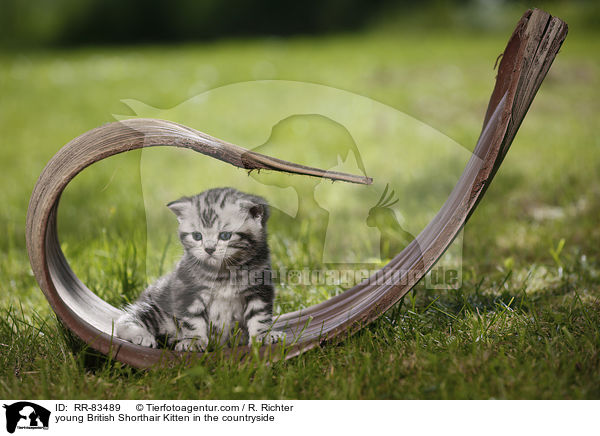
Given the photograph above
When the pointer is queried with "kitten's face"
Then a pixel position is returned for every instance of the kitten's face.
(221, 227)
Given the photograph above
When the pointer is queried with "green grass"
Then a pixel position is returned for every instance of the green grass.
(524, 323)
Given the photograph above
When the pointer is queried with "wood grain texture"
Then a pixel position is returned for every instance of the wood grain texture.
(525, 62)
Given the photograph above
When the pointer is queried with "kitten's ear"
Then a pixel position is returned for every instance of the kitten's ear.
(178, 207)
(258, 211)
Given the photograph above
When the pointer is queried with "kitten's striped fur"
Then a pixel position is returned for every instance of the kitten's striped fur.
(222, 280)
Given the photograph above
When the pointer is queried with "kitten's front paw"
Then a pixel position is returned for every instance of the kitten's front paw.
(135, 333)
(274, 336)
(271, 337)
(191, 344)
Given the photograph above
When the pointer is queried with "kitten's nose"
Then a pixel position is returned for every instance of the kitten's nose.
(209, 250)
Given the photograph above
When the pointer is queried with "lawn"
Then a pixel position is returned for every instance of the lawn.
(523, 324)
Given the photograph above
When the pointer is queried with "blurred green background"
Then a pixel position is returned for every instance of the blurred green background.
(51, 23)
(69, 66)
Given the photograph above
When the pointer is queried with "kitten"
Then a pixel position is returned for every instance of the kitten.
(222, 280)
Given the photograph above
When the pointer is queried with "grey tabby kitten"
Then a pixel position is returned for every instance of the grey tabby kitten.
(222, 280)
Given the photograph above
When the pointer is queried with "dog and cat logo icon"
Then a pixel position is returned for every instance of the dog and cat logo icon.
(26, 415)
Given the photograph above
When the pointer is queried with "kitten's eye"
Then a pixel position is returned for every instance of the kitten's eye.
(225, 236)
(197, 236)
